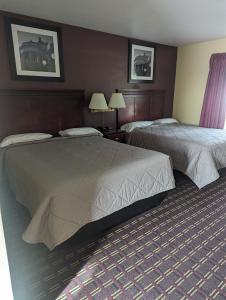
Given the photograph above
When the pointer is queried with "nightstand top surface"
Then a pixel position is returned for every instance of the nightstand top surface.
(113, 132)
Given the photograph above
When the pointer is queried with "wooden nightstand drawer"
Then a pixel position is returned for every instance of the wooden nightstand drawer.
(117, 136)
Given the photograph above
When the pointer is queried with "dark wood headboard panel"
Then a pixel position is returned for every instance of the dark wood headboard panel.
(141, 105)
(23, 111)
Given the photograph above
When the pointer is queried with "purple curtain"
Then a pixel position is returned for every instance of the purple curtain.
(214, 103)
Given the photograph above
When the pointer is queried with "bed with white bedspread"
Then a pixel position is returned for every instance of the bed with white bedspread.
(69, 182)
(197, 152)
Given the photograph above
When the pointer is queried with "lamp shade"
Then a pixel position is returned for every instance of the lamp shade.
(98, 102)
(117, 101)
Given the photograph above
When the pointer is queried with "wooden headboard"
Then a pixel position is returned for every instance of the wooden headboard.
(23, 111)
(141, 105)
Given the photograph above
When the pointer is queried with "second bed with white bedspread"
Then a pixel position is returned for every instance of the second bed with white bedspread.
(197, 152)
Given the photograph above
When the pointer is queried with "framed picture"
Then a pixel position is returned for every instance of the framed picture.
(35, 51)
(141, 62)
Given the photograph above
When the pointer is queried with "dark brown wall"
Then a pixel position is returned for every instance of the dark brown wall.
(95, 61)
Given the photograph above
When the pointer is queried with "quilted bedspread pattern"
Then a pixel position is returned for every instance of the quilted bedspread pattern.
(197, 152)
(68, 182)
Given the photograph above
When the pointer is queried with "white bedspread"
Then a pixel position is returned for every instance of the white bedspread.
(68, 182)
(197, 152)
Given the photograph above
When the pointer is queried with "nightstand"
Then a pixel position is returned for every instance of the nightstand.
(117, 135)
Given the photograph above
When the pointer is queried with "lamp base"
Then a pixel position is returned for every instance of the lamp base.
(102, 110)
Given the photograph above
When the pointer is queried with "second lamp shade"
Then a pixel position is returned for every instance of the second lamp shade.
(117, 101)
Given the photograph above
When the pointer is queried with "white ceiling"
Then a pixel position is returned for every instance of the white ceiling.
(173, 22)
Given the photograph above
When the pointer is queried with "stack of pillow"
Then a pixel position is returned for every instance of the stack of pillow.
(129, 127)
(32, 137)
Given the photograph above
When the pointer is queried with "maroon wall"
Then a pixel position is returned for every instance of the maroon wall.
(95, 61)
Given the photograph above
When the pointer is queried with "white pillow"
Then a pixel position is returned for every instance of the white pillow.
(128, 127)
(80, 131)
(24, 137)
(165, 121)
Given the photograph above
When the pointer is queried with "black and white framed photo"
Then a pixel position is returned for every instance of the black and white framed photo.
(35, 51)
(141, 62)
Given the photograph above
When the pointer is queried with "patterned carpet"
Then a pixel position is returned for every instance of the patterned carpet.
(175, 251)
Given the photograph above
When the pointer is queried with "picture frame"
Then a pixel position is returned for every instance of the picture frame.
(35, 50)
(141, 63)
